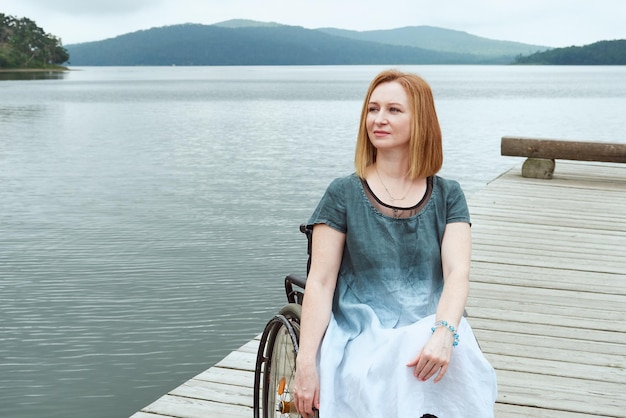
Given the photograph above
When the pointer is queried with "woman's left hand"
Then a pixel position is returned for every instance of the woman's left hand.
(434, 358)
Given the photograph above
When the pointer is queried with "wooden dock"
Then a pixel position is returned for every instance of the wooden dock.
(547, 302)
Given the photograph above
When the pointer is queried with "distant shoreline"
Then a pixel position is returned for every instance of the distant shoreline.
(34, 70)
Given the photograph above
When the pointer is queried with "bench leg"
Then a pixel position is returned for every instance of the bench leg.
(538, 168)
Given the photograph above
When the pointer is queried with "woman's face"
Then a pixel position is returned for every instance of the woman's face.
(388, 116)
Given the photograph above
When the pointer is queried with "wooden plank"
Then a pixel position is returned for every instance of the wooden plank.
(569, 369)
(584, 317)
(216, 392)
(612, 267)
(549, 297)
(594, 353)
(561, 184)
(251, 346)
(530, 217)
(519, 411)
(238, 360)
(526, 194)
(539, 277)
(572, 338)
(572, 174)
(227, 376)
(547, 262)
(561, 394)
(549, 238)
(520, 326)
(180, 407)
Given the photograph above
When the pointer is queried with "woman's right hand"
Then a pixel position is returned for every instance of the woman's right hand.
(306, 389)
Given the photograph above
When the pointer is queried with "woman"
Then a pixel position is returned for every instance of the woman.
(382, 329)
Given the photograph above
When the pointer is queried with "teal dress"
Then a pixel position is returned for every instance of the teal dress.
(389, 284)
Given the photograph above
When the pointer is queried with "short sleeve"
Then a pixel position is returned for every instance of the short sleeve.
(456, 204)
(331, 210)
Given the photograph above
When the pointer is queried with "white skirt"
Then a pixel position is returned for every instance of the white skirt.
(366, 375)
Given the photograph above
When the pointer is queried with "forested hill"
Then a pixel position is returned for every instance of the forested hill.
(599, 53)
(24, 45)
(242, 42)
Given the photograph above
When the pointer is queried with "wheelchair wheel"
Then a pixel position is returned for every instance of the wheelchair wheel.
(276, 365)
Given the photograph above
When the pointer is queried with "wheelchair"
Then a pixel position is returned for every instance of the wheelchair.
(276, 358)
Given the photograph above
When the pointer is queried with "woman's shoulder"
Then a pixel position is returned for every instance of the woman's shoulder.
(344, 182)
(446, 185)
(451, 195)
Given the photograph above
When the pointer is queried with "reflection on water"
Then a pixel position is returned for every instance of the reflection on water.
(32, 75)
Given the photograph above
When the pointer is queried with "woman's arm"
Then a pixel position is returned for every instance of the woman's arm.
(326, 253)
(456, 253)
(456, 248)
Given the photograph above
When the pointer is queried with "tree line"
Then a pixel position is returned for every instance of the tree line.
(25, 45)
(599, 53)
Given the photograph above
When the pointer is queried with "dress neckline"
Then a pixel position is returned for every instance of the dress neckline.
(398, 212)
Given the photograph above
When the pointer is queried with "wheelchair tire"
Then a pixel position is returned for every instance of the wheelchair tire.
(276, 365)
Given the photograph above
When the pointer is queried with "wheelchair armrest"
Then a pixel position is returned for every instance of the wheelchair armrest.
(295, 294)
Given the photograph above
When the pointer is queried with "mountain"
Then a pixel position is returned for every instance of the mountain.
(599, 53)
(439, 39)
(245, 23)
(245, 42)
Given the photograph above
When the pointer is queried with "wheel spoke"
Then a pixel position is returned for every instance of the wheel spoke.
(280, 368)
(282, 374)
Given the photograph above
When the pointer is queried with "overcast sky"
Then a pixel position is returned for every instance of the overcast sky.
(554, 23)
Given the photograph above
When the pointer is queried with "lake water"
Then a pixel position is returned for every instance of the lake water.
(149, 215)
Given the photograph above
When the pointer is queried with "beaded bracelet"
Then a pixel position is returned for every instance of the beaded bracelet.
(450, 328)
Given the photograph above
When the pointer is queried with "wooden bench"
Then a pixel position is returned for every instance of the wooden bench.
(542, 153)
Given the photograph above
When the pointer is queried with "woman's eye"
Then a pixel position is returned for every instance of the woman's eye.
(394, 109)
(372, 109)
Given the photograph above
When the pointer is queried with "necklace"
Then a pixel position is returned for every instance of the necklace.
(393, 199)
